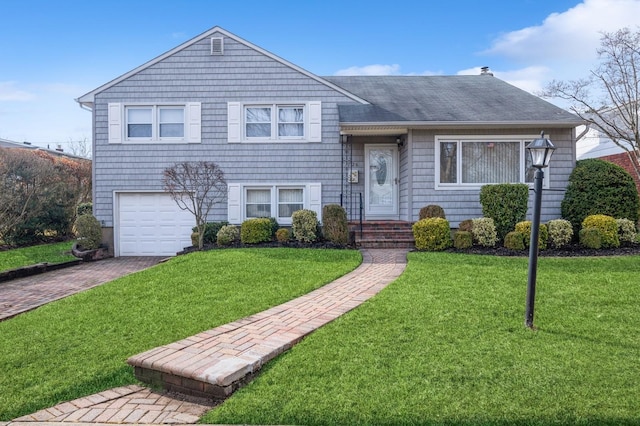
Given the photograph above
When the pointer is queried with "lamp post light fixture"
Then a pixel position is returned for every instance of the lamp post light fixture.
(540, 150)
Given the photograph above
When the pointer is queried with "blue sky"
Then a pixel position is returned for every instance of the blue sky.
(53, 51)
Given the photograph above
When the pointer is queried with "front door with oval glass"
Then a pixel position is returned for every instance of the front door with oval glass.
(381, 181)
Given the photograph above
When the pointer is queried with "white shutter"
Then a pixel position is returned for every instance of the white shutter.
(234, 203)
(193, 122)
(114, 118)
(315, 198)
(315, 121)
(234, 122)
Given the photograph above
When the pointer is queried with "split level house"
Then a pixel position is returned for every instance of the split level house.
(381, 146)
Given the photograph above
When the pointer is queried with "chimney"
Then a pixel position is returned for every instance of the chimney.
(59, 148)
(485, 71)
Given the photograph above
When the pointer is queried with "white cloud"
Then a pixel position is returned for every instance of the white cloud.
(528, 78)
(371, 70)
(570, 36)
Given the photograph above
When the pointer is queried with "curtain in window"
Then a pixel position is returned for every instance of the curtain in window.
(448, 162)
(139, 122)
(258, 203)
(258, 122)
(289, 201)
(171, 122)
(291, 121)
(490, 162)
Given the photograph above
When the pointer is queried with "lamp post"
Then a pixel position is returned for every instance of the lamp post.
(541, 150)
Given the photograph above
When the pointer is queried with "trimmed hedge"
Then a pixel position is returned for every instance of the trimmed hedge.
(462, 240)
(335, 226)
(607, 226)
(560, 232)
(432, 210)
(254, 231)
(484, 232)
(88, 231)
(524, 228)
(599, 187)
(514, 240)
(506, 204)
(432, 234)
(305, 225)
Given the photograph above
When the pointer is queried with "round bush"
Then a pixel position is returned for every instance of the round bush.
(88, 231)
(431, 210)
(591, 238)
(466, 225)
(626, 231)
(524, 228)
(599, 187)
(484, 232)
(432, 234)
(305, 225)
(254, 231)
(514, 240)
(560, 232)
(607, 226)
(227, 235)
(462, 240)
(283, 235)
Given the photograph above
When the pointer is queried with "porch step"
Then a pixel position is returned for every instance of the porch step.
(383, 234)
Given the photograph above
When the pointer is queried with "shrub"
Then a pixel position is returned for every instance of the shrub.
(88, 231)
(254, 231)
(607, 226)
(466, 225)
(599, 187)
(432, 211)
(84, 208)
(210, 232)
(484, 232)
(462, 240)
(524, 228)
(506, 204)
(305, 225)
(560, 232)
(432, 234)
(283, 235)
(591, 238)
(335, 226)
(626, 231)
(514, 240)
(274, 226)
(227, 235)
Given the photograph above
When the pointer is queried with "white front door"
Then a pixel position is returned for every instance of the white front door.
(381, 181)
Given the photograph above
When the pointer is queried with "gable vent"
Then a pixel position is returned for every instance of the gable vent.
(217, 46)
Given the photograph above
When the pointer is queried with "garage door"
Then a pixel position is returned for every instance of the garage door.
(151, 224)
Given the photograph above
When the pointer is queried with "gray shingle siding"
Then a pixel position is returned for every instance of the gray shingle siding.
(192, 75)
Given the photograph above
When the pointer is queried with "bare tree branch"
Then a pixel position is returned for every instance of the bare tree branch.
(196, 187)
(609, 99)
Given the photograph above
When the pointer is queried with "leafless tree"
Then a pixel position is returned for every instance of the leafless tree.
(80, 147)
(608, 99)
(196, 187)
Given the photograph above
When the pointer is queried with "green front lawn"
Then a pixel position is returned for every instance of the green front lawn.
(446, 344)
(45, 253)
(79, 345)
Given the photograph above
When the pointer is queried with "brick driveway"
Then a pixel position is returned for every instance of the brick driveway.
(24, 294)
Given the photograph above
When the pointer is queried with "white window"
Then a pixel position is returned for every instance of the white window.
(247, 201)
(274, 122)
(137, 123)
(470, 162)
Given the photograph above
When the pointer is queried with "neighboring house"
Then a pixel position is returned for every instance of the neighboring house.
(59, 152)
(594, 144)
(288, 139)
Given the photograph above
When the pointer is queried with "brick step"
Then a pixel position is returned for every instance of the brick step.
(384, 234)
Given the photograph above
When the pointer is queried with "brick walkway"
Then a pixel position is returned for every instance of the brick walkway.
(24, 294)
(222, 359)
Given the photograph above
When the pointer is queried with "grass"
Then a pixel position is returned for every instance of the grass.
(78, 346)
(49, 253)
(446, 344)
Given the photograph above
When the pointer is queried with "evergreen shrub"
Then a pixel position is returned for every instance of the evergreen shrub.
(506, 204)
(335, 227)
(254, 231)
(560, 232)
(432, 234)
(305, 225)
(607, 226)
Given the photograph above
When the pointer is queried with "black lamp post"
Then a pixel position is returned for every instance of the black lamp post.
(541, 150)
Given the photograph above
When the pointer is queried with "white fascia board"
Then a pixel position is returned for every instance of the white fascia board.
(454, 124)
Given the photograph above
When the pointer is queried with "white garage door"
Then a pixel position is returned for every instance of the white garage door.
(151, 224)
